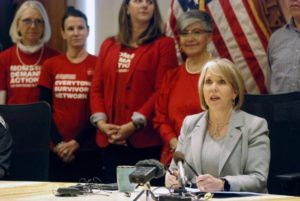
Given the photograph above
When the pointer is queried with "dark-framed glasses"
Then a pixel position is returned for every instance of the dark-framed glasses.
(36, 22)
(193, 33)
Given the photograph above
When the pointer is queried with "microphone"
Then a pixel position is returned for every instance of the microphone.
(147, 170)
(160, 168)
(179, 160)
(178, 155)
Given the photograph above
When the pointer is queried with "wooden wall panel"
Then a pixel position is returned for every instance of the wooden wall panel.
(56, 9)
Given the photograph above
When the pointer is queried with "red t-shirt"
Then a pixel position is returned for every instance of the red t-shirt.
(19, 76)
(70, 85)
(125, 58)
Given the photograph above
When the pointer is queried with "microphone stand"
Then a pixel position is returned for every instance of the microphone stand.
(181, 190)
(147, 190)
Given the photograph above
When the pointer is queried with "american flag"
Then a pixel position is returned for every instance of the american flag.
(239, 35)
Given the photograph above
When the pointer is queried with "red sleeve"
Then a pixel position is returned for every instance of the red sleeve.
(162, 121)
(97, 86)
(167, 59)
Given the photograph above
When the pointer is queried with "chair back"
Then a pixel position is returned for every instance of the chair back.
(29, 125)
(282, 112)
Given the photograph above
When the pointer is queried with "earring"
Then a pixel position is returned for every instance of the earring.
(208, 48)
(180, 48)
(233, 101)
(205, 105)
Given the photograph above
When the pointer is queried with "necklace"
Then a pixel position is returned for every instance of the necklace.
(198, 71)
(187, 68)
(21, 61)
(216, 128)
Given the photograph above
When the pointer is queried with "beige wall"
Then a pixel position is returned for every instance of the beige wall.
(107, 16)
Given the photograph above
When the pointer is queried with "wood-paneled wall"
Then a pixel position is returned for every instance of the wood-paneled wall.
(56, 9)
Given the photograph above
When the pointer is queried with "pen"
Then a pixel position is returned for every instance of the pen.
(171, 172)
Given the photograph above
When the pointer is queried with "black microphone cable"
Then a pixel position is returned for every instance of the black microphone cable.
(179, 156)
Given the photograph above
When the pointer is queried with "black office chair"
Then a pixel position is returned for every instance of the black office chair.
(282, 112)
(29, 125)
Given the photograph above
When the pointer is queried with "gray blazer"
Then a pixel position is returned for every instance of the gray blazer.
(246, 156)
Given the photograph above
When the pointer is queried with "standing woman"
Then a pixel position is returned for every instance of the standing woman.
(20, 65)
(178, 96)
(128, 73)
(64, 83)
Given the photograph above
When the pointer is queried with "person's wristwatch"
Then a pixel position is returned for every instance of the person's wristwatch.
(226, 184)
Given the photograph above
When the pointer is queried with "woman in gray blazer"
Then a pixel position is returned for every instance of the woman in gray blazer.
(228, 148)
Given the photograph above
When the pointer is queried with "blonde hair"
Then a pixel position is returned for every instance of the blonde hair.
(13, 32)
(230, 73)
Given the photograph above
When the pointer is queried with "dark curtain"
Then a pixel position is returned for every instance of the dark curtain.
(7, 10)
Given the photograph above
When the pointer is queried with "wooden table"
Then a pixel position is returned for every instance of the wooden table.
(45, 191)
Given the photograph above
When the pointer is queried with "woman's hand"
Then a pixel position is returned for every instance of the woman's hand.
(172, 180)
(173, 144)
(66, 150)
(108, 129)
(125, 131)
(208, 183)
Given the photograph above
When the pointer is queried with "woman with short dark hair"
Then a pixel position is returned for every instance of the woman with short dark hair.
(65, 83)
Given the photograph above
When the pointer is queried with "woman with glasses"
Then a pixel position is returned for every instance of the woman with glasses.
(178, 95)
(20, 65)
(128, 74)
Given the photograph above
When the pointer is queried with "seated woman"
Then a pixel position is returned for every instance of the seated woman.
(229, 148)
